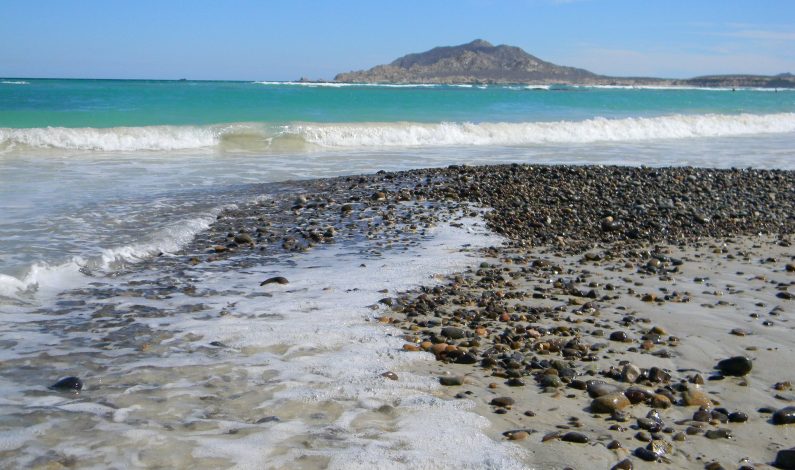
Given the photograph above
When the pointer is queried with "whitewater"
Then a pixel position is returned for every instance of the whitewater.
(103, 183)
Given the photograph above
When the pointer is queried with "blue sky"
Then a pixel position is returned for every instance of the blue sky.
(287, 39)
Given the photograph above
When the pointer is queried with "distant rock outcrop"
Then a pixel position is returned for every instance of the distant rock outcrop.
(474, 62)
(481, 62)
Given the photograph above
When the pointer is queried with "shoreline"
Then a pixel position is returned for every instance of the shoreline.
(552, 290)
(264, 339)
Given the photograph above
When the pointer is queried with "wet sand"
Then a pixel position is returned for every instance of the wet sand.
(721, 302)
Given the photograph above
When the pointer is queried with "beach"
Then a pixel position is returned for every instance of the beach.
(249, 275)
(439, 318)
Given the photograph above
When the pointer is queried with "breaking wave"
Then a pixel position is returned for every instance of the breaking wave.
(261, 137)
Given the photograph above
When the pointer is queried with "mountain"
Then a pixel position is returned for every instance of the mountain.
(474, 62)
(481, 62)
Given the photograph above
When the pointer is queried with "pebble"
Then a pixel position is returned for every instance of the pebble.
(275, 280)
(67, 384)
(452, 332)
(575, 437)
(737, 366)
(784, 415)
(625, 464)
(696, 398)
(785, 459)
(502, 401)
(390, 375)
(609, 403)
(452, 380)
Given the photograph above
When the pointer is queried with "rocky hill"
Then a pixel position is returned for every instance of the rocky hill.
(474, 62)
(481, 62)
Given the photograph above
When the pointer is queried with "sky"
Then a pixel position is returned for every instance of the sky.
(288, 39)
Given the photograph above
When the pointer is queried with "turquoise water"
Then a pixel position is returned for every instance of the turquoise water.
(92, 171)
(114, 103)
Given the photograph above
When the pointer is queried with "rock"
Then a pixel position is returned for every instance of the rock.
(784, 415)
(790, 268)
(738, 417)
(390, 375)
(597, 388)
(696, 398)
(502, 402)
(275, 280)
(645, 454)
(660, 401)
(625, 464)
(576, 437)
(630, 373)
(452, 380)
(67, 384)
(452, 332)
(243, 237)
(609, 403)
(466, 358)
(518, 435)
(718, 434)
(785, 295)
(785, 459)
(735, 366)
(620, 336)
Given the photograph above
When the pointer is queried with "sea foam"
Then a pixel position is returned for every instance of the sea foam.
(261, 136)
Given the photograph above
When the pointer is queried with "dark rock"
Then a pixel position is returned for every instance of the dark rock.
(735, 366)
(784, 416)
(502, 401)
(625, 464)
(67, 384)
(275, 280)
(452, 332)
(450, 381)
(785, 459)
(576, 437)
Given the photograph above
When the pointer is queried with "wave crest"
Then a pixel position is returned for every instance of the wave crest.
(263, 137)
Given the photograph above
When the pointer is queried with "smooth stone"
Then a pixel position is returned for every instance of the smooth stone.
(625, 464)
(619, 336)
(696, 398)
(275, 280)
(785, 459)
(576, 437)
(390, 375)
(609, 403)
(738, 417)
(784, 416)
(630, 373)
(735, 366)
(502, 401)
(452, 332)
(597, 388)
(450, 381)
(645, 454)
(718, 434)
(518, 435)
(67, 384)
(243, 238)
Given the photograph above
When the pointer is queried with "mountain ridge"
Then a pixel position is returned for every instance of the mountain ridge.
(480, 62)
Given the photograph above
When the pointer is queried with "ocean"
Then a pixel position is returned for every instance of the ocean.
(104, 182)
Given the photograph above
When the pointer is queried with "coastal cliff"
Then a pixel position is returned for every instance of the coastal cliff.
(480, 62)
